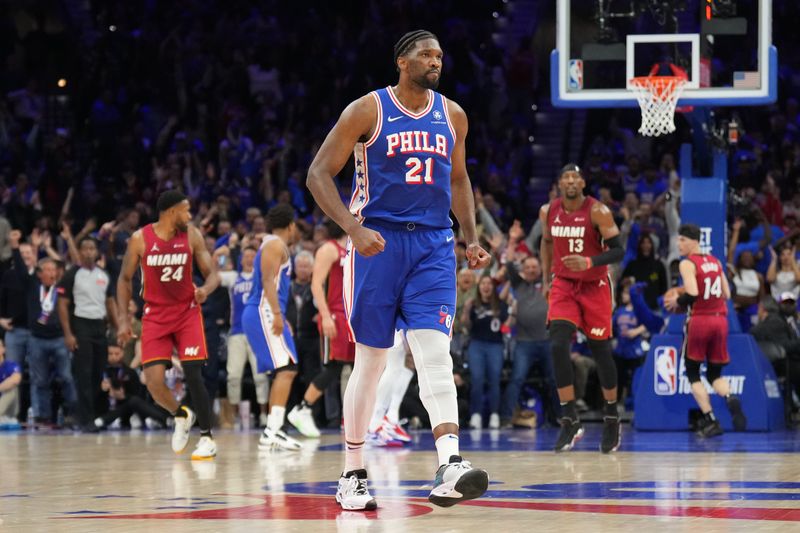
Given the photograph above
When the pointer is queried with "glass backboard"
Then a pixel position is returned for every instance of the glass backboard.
(723, 46)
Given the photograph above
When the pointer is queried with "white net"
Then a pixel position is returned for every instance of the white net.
(658, 96)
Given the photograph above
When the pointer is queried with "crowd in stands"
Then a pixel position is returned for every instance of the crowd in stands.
(228, 101)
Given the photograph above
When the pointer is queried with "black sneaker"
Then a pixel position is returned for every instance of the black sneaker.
(571, 432)
(612, 434)
(710, 429)
(739, 420)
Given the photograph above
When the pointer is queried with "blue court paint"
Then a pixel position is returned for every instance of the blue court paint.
(635, 490)
(543, 440)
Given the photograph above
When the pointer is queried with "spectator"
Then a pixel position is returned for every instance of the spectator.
(465, 290)
(786, 277)
(652, 186)
(132, 351)
(484, 316)
(779, 328)
(10, 378)
(5, 247)
(648, 268)
(47, 339)
(14, 302)
(124, 391)
(239, 284)
(86, 309)
(302, 317)
(529, 316)
(749, 290)
(630, 348)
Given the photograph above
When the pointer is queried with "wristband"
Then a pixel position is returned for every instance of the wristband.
(588, 262)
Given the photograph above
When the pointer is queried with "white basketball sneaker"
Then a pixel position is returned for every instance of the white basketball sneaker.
(475, 421)
(180, 434)
(206, 449)
(353, 494)
(456, 482)
(303, 419)
(278, 439)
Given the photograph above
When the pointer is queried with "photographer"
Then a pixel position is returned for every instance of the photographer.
(123, 387)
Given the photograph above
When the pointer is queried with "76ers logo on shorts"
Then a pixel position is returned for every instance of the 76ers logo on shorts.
(445, 317)
(666, 371)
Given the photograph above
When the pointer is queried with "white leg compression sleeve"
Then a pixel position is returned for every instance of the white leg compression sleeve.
(395, 359)
(401, 383)
(359, 398)
(437, 389)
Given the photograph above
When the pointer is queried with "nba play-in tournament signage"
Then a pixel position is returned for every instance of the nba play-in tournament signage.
(664, 398)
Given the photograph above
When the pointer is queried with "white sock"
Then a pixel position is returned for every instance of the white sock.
(275, 418)
(353, 457)
(401, 382)
(446, 445)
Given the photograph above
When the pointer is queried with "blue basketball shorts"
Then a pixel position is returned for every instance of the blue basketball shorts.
(410, 285)
(272, 351)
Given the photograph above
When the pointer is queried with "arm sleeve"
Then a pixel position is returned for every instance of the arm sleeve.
(614, 254)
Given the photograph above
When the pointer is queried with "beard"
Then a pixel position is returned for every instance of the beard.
(182, 226)
(426, 83)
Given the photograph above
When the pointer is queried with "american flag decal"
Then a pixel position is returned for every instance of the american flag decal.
(746, 80)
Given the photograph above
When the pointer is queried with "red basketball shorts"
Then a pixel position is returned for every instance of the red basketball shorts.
(173, 327)
(707, 339)
(339, 348)
(587, 304)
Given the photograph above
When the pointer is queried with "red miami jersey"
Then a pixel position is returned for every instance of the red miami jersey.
(574, 234)
(335, 293)
(710, 299)
(166, 269)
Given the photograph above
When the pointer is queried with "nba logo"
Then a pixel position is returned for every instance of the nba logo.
(576, 74)
(666, 371)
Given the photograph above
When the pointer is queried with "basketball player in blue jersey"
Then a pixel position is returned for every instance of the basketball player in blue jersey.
(263, 321)
(410, 170)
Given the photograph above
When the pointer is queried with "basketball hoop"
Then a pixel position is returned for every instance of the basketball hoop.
(658, 96)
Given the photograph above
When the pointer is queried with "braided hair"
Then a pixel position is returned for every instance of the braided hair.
(407, 41)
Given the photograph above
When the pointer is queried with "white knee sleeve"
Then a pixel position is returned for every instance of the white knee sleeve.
(437, 389)
(359, 398)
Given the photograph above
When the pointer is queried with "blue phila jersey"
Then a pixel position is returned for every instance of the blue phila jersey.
(402, 173)
(8, 369)
(239, 294)
(282, 282)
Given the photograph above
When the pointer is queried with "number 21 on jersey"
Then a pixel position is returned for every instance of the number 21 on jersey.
(414, 175)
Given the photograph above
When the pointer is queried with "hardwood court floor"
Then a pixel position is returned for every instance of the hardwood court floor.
(131, 481)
